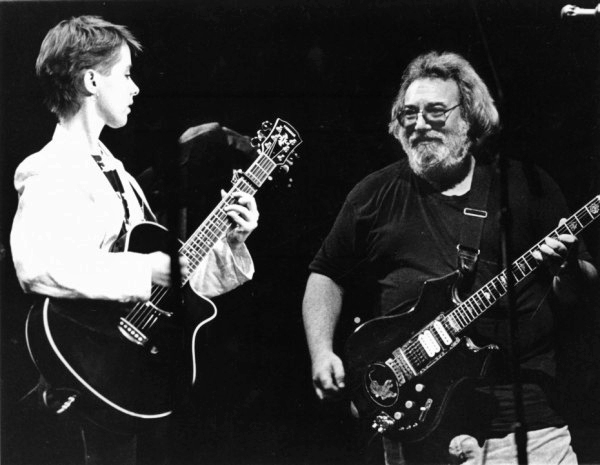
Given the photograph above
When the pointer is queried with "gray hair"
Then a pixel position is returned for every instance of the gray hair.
(477, 105)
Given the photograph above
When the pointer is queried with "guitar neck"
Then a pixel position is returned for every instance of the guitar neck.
(215, 226)
(470, 309)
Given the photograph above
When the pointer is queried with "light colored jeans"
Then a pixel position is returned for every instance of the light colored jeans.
(548, 446)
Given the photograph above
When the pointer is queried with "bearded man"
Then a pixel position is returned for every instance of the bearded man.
(401, 226)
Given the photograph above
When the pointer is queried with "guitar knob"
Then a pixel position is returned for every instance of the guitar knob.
(409, 404)
(398, 415)
(419, 387)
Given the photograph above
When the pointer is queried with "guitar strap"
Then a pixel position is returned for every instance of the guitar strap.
(115, 181)
(472, 225)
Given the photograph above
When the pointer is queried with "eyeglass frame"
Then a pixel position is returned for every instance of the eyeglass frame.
(423, 112)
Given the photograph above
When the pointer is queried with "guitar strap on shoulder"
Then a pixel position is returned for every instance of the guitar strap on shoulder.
(473, 220)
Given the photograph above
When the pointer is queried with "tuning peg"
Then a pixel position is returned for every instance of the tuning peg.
(285, 168)
(254, 142)
(266, 125)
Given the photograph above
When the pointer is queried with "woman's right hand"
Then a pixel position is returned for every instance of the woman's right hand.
(161, 268)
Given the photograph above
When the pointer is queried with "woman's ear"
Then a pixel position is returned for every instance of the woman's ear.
(89, 81)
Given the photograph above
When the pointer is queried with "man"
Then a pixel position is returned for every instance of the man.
(400, 227)
(76, 199)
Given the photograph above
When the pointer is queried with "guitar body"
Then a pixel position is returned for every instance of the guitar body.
(77, 346)
(125, 366)
(409, 404)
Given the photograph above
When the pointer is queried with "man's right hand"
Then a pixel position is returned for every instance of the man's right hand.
(328, 375)
(161, 268)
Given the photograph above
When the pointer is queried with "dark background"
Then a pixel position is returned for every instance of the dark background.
(331, 69)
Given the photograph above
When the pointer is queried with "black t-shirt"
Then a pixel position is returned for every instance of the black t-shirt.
(394, 232)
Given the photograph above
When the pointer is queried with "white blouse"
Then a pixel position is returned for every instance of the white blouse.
(67, 219)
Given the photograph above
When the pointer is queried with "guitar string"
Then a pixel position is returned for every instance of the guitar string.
(150, 314)
(146, 312)
(244, 187)
(414, 350)
(158, 291)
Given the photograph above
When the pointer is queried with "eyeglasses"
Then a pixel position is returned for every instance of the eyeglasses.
(433, 116)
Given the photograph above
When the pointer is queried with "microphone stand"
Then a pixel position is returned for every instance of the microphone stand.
(505, 221)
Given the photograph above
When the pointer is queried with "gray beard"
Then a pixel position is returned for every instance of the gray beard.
(443, 165)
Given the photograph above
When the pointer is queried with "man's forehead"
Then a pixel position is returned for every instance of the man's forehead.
(431, 90)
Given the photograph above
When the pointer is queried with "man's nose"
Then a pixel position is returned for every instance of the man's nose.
(421, 122)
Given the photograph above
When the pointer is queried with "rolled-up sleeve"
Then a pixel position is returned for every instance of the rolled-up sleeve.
(222, 270)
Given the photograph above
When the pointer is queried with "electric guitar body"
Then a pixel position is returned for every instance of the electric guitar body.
(403, 370)
(419, 403)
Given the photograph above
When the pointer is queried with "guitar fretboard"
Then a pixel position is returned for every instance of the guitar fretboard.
(217, 223)
(432, 342)
(274, 150)
(463, 315)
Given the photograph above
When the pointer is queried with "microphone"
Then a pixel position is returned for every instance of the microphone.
(572, 10)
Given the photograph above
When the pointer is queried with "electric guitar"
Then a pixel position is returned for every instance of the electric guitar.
(125, 365)
(402, 370)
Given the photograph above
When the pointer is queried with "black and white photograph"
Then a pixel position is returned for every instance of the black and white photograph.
(299, 232)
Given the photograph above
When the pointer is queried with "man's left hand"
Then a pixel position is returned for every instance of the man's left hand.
(244, 214)
(556, 253)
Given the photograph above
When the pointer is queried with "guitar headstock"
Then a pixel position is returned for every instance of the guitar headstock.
(278, 141)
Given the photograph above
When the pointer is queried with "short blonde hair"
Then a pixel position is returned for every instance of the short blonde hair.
(71, 47)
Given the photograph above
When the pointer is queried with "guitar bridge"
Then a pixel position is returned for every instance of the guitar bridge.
(132, 333)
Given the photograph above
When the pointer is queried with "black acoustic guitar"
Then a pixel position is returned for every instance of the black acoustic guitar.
(125, 365)
(403, 370)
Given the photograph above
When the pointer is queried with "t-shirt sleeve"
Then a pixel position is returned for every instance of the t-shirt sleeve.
(340, 252)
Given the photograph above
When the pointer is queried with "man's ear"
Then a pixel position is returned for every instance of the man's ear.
(89, 81)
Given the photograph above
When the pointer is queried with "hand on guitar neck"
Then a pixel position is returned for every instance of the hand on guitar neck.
(244, 216)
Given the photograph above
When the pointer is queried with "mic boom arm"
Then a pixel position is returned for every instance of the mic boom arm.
(572, 10)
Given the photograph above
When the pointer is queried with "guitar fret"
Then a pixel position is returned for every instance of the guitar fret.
(215, 226)
(575, 224)
(531, 261)
(516, 270)
(486, 293)
(471, 306)
(493, 290)
(460, 315)
(490, 293)
(478, 303)
(588, 212)
(199, 244)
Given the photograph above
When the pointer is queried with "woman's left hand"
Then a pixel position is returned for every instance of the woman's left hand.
(244, 214)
